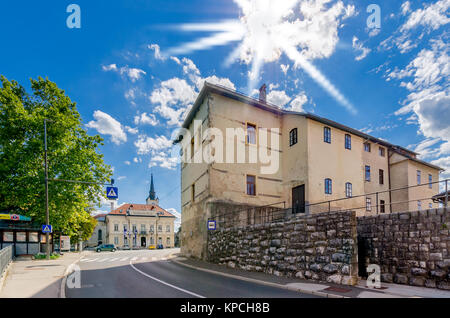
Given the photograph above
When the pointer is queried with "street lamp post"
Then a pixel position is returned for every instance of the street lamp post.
(47, 216)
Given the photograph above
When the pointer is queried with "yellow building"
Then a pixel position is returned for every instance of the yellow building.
(141, 225)
(242, 151)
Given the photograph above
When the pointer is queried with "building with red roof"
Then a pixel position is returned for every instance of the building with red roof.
(135, 225)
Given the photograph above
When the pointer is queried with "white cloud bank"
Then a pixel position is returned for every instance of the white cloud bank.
(107, 125)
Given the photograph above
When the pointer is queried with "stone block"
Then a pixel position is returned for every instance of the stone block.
(417, 281)
(400, 279)
(335, 279)
(330, 269)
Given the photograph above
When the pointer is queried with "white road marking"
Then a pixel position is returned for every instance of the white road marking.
(102, 260)
(123, 259)
(133, 259)
(113, 259)
(164, 283)
(92, 260)
(144, 258)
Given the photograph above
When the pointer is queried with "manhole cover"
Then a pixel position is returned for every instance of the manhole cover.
(338, 289)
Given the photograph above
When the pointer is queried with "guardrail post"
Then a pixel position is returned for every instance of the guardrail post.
(329, 206)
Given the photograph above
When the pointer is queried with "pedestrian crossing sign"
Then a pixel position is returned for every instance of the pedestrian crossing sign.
(211, 225)
(47, 228)
(112, 193)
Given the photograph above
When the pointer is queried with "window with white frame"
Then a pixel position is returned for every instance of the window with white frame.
(368, 204)
(348, 190)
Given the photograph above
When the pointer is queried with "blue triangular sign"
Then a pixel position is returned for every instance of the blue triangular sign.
(112, 193)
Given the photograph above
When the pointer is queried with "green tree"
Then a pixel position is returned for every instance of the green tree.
(72, 155)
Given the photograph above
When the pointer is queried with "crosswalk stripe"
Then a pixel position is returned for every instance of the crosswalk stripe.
(113, 259)
(102, 260)
(134, 258)
(92, 260)
(144, 258)
(123, 259)
(84, 260)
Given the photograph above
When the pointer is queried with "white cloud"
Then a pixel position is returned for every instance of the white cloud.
(163, 160)
(189, 67)
(178, 218)
(278, 98)
(127, 162)
(358, 46)
(427, 79)
(121, 178)
(431, 16)
(298, 102)
(111, 67)
(131, 130)
(145, 119)
(157, 49)
(405, 7)
(418, 23)
(107, 125)
(133, 74)
(215, 80)
(146, 144)
(137, 160)
(172, 98)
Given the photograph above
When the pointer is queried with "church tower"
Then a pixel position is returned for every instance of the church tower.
(152, 199)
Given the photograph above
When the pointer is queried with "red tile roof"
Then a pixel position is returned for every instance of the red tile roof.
(99, 216)
(122, 210)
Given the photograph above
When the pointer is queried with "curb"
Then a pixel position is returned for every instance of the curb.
(62, 289)
(261, 282)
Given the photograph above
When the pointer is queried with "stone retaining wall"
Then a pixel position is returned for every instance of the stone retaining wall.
(410, 248)
(319, 247)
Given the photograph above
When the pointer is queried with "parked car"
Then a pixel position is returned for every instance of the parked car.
(159, 246)
(152, 247)
(126, 247)
(106, 247)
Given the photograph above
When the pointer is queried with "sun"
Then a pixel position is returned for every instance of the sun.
(302, 30)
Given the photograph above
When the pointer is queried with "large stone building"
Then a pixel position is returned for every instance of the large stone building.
(137, 225)
(313, 160)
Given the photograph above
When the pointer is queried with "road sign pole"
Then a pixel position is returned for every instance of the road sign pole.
(47, 216)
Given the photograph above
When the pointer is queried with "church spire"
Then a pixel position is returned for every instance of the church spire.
(152, 199)
(152, 194)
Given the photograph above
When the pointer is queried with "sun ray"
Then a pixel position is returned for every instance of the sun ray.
(269, 28)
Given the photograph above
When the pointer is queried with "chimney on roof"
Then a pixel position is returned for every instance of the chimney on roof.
(262, 93)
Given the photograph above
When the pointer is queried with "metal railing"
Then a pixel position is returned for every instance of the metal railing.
(386, 201)
(6, 256)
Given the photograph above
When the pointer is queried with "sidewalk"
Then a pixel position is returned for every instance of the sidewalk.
(317, 288)
(28, 278)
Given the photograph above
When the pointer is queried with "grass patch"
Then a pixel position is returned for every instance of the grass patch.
(44, 256)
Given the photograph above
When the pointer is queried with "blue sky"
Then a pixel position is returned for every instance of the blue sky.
(134, 78)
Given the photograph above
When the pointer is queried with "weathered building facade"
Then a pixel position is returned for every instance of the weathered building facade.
(297, 159)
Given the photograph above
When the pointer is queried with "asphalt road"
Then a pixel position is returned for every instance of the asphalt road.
(149, 274)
